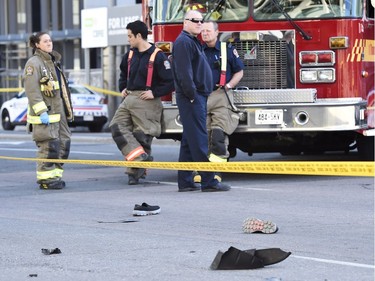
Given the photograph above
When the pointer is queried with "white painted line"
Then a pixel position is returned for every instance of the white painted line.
(17, 149)
(251, 188)
(336, 262)
(12, 142)
(95, 153)
(76, 152)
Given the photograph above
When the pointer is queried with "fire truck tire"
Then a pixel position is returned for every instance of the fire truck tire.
(365, 147)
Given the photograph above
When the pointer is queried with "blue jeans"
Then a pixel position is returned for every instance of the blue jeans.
(194, 143)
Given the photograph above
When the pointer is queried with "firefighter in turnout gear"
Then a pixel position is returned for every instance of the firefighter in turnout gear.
(227, 71)
(49, 109)
(145, 77)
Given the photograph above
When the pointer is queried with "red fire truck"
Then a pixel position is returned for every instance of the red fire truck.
(308, 84)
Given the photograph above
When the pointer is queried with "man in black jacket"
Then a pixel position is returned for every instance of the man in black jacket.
(145, 76)
(193, 84)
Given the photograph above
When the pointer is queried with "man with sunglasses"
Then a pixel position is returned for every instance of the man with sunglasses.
(193, 83)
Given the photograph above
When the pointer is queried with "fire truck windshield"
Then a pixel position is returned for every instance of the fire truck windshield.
(306, 9)
(228, 10)
(166, 11)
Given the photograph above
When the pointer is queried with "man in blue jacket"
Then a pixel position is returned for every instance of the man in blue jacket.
(193, 83)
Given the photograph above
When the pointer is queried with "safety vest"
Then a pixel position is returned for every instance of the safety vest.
(150, 66)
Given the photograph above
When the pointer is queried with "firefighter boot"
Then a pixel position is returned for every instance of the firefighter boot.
(55, 184)
(134, 174)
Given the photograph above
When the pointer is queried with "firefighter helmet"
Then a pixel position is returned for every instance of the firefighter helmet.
(196, 7)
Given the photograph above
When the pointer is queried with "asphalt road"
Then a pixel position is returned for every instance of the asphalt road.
(326, 222)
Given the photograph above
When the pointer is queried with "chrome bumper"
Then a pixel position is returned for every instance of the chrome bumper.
(321, 115)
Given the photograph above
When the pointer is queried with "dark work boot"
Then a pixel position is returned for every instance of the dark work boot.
(132, 180)
(59, 184)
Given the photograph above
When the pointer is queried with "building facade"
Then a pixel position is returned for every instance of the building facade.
(61, 18)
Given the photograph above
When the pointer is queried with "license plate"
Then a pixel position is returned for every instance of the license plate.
(88, 118)
(269, 117)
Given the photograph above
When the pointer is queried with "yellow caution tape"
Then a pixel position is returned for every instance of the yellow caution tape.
(104, 91)
(96, 89)
(326, 168)
(6, 90)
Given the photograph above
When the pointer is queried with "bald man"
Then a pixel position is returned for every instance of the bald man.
(193, 83)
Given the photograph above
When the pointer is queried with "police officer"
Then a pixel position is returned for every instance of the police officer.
(227, 71)
(49, 109)
(145, 77)
(193, 84)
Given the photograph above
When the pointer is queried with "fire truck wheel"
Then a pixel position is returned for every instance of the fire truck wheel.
(365, 147)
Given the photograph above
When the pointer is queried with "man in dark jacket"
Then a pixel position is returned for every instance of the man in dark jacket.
(193, 84)
(138, 118)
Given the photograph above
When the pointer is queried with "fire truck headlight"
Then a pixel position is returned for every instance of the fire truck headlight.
(326, 75)
(317, 75)
(308, 76)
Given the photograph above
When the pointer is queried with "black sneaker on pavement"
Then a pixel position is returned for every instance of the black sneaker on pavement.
(145, 210)
(219, 187)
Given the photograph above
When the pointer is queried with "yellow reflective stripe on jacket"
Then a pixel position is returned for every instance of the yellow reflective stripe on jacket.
(44, 175)
(223, 53)
(53, 118)
(39, 107)
(55, 85)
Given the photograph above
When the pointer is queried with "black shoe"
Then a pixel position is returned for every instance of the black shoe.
(270, 256)
(219, 187)
(145, 210)
(60, 184)
(140, 173)
(195, 187)
(248, 259)
(132, 180)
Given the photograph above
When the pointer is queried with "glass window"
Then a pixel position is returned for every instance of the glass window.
(306, 9)
(173, 11)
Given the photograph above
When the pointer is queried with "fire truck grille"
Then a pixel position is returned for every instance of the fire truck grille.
(265, 64)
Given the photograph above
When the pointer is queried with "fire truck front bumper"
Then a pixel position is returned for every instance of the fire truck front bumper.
(343, 114)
